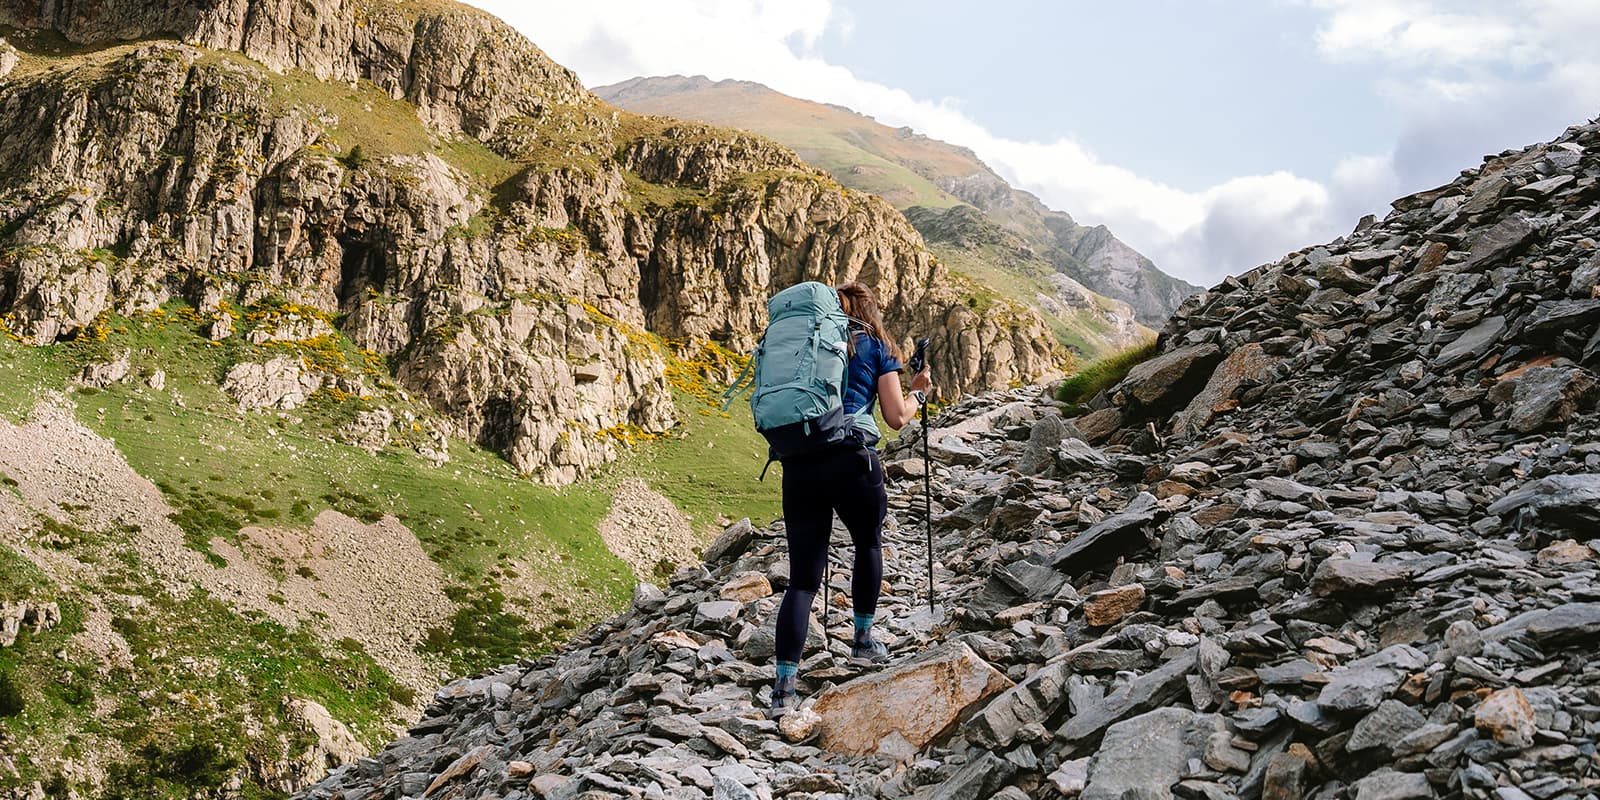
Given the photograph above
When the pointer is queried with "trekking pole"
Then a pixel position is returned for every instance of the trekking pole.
(918, 361)
(827, 581)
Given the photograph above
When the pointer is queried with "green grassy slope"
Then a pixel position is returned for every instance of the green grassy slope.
(221, 469)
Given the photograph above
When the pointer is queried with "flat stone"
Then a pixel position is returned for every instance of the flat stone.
(717, 613)
(951, 450)
(1074, 456)
(1390, 721)
(1109, 606)
(915, 702)
(1147, 691)
(1571, 502)
(1552, 318)
(1144, 755)
(1473, 345)
(1364, 683)
(1116, 535)
(746, 587)
(1422, 740)
(731, 543)
(979, 779)
(1361, 580)
(1028, 580)
(1031, 702)
(675, 726)
(1390, 785)
(1285, 489)
(1289, 673)
(1499, 242)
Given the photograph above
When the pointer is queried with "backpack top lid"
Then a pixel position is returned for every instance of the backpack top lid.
(808, 299)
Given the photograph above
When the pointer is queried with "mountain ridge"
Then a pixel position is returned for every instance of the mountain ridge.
(948, 174)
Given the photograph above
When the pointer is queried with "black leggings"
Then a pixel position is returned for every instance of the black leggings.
(814, 487)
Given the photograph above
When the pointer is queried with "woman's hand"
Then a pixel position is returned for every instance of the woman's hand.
(899, 408)
(922, 382)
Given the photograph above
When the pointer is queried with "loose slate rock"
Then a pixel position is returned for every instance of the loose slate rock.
(732, 543)
(1571, 623)
(1571, 502)
(1390, 721)
(1507, 717)
(1119, 534)
(1363, 684)
(1361, 580)
(1143, 756)
(1391, 785)
(1109, 606)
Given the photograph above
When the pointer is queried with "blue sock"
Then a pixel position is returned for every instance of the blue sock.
(863, 625)
(787, 670)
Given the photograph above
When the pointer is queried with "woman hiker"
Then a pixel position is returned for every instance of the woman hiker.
(848, 480)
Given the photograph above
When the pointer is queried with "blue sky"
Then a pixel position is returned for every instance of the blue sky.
(1212, 135)
(1134, 79)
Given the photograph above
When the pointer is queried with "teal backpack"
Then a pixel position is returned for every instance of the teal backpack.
(799, 373)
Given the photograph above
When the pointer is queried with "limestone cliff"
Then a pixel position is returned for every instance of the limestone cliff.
(445, 194)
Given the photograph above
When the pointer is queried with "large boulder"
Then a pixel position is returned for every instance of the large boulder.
(282, 383)
(900, 710)
(1168, 380)
(1245, 366)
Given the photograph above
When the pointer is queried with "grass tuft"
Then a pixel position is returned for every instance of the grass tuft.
(1104, 373)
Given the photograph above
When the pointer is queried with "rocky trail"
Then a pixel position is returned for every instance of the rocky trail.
(1332, 542)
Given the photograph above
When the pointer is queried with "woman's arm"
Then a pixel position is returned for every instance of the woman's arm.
(899, 408)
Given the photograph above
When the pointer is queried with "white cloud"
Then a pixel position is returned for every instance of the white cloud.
(1453, 72)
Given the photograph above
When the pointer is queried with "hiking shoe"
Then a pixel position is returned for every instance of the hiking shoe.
(784, 699)
(868, 651)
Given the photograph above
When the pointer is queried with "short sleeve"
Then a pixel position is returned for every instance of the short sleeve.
(887, 363)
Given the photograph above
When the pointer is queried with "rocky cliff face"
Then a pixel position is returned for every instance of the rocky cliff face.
(1339, 544)
(456, 202)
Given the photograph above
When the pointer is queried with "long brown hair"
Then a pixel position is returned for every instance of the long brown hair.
(861, 306)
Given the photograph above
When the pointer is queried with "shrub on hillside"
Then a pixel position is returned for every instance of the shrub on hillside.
(11, 703)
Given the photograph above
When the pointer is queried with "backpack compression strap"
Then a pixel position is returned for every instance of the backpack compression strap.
(741, 383)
